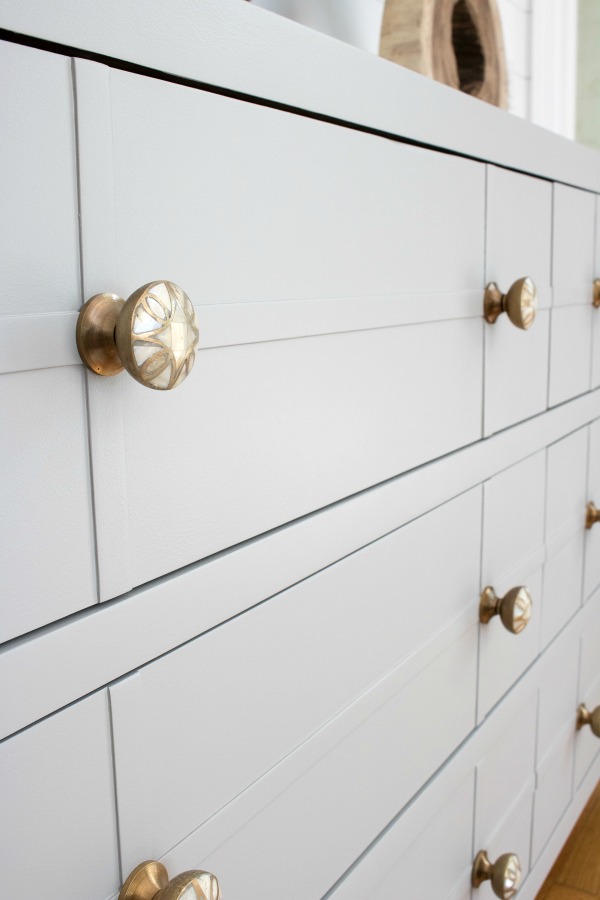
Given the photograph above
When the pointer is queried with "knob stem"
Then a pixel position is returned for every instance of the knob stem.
(482, 869)
(592, 515)
(145, 881)
(596, 300)
(494, 302)
(95, 334)
(489, 605)
(585, 717)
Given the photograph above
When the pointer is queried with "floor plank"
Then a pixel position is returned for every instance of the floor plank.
(576, 873)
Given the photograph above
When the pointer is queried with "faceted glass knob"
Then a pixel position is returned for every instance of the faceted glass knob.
(585, 717)
(505, 874)
(150, 881)
(153, 335)
(520, 303)
(592, 515)
(514, 608)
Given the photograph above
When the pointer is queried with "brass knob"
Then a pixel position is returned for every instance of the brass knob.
(153, 335)
(514, 608)
(505, 874)
(150, 881)
(585, 717)
(520, 303)
(592, 515)
(596, 300)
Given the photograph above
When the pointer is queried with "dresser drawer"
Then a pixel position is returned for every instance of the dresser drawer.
(505, 783)
(596, 314)
(309, 251)
(556, 737)
(516, 361)
(572, 277)
(512, 556)
(586, 743)
(565, 533)
(47, 567)
(592, 535)
(268, 680)
(47, 564)
(57, 788)
(426, 853)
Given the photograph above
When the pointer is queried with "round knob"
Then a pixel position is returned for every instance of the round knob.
(505, 874)
(596, 300)
(153, 335)
(585, 717)
(592, 515)
(520, 303)
(514, 608)
(150, 881)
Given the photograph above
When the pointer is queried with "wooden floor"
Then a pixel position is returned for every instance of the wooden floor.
(576, 873)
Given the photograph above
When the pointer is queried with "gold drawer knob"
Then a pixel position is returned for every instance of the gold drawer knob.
(596, 300)
(505, 874)
(585, 717)
(520, 303)
(153, 335)
(150, 881)
(514, 608)
(592, 515)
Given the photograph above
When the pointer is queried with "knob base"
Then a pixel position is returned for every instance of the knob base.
(592, 515)
(482, 869)
(488, 605)
(96, 334)
(596, 300)
(493, 303)
(145, 881)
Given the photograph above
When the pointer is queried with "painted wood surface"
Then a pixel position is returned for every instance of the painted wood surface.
(58, 823)
(271, 206)
(154, 620)
(39, 250)
(274, 676)
(238, 46)
(47, 559)
(516, 362)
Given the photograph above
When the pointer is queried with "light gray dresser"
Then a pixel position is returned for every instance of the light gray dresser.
(241, 621)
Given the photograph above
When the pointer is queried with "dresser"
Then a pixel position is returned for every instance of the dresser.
(324, 620)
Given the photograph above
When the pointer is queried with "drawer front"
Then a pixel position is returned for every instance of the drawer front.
(269, 679)
(586, 743)
(596, 312)
(513, 553)
(39, 250)
(556, 736)
(505, 776)
(572, 277)
(516, 362)
(47, 562)
(565, 532)
(47, 567)
(58, 825)
(310, 251)
(592, 535)
(425, 854)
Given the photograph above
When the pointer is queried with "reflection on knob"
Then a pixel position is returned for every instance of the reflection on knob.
(520, 303)
(149, 881)
(596, 300)
(585, 717)
(592, 515)
(152, 335)
(514, 608)
(505, 874)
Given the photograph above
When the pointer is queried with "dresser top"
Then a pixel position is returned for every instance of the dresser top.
(232, 45)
